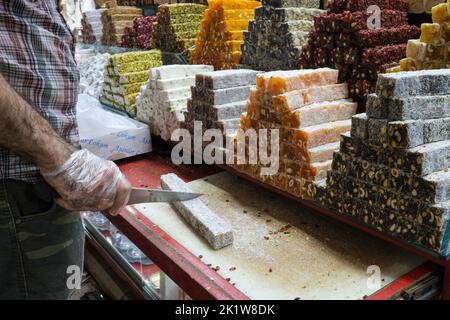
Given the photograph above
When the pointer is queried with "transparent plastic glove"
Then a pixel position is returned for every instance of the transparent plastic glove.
(87, 182)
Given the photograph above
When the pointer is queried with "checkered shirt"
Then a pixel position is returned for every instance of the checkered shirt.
(37, 60)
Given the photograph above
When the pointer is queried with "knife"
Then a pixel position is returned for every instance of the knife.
(137, 196)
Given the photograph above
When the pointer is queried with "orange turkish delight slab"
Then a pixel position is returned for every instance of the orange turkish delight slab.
(299, 98)
(314, 136)
(279, 82)
(302, 154)
(322, 112)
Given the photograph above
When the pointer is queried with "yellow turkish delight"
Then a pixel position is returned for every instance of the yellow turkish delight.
(440, 13)
(431, 33)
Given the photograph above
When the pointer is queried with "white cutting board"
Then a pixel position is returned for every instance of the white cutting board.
(318, 259)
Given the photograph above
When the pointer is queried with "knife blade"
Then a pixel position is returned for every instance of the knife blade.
(139, 195)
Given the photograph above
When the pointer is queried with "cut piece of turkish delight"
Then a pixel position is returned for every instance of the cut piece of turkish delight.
(208, 224)
(226, 79)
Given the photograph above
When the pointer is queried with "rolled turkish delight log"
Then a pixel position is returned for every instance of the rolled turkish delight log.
(322, 112)
(314, 136)
(421, 160)
(417, 83)
(376, 107)
(292, 3)
(405, 134)
(227, 111)
(348, 22)
(209, 225)
(220, 96)
(286, 14)
(383, 54)
(226, 79)
(362, 5)
(296, 99)
(385, 36)
(359, 128)
(280, 82)
(304, 154)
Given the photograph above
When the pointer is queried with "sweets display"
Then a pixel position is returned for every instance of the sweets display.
(219, 98)
(115, 20)
(140, 35)
(164, 99)
(274, 38)
(177, 26)
(431, 50)
(125, 74)
(392, 170)
(221, 33)
(92, 28)
(310, 110)
(345, 40)
(92, 73)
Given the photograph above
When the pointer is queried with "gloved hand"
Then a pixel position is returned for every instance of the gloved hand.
(86, 182)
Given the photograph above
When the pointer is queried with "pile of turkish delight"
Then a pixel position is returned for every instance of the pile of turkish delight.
(140, 35)
(345, 39)
(310, 110)
(392, 171)
(177, 26)
(431, 50)
(221, 33)
(164, 99)
(92, 28)
(218, 100)
(92, 74)
(125, 74)
(115, 20)
(274, 38)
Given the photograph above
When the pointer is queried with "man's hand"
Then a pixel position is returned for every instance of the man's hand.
(86, 182)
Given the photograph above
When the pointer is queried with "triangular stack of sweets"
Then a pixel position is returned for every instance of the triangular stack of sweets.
(140, 35)
(342, 40)
(92, 26)
(431, 50)
(311, 110)
(218, 100)
(125, 74)
(221, 33)
(392, 172)
(177, 26)
(274, 38)
(115, 20)
(163, 100)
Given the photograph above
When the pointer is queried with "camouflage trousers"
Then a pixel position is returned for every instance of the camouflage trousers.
(41, 245)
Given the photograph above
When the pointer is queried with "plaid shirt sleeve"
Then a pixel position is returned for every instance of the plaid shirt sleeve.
(36, 58)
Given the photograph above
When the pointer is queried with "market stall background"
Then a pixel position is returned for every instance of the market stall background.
(314, 116)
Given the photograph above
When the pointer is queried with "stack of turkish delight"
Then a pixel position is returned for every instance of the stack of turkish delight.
(115, 20)
(274, 38)
(421, 6)
(92, 26)
(431, 50)
(140, 35)
(392, 171)
(177, 26)
(346, 39)
(163, 100)
(221, 33)
(310, 110)
(218, 100)
(125, 74)
(92, 73)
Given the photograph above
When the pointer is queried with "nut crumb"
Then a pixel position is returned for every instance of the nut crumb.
(232, 269)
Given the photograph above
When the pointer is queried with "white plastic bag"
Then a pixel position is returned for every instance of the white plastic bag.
(108, 134)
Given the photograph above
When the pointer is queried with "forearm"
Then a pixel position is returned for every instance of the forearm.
(25, 132)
